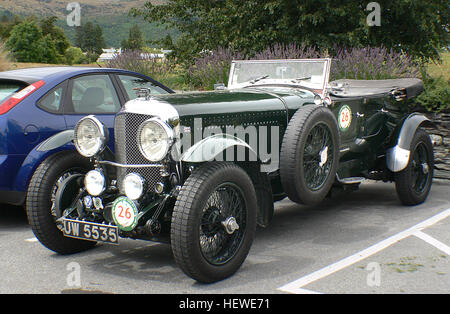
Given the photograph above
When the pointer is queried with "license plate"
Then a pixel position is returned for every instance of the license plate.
(90, 231)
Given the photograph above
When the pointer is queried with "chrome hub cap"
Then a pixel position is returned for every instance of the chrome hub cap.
(323, 156)
(230, 225)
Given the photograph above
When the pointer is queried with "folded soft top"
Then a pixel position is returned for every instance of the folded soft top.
(355, 88)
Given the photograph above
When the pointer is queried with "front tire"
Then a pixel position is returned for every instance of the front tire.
(41, 201)
(413, 184)
(214, 222)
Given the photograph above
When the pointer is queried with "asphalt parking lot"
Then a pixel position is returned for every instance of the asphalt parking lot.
(361, 242)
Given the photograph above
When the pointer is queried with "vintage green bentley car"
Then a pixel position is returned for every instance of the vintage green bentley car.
(201, 170)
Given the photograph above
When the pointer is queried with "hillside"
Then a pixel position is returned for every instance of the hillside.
(117, 27)
(58, 7)
(111, 15)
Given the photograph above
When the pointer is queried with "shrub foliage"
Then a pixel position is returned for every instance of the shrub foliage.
(354, 63)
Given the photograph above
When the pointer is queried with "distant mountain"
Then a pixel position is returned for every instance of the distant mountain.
(117, 27)
(111, 15)
(58, 7)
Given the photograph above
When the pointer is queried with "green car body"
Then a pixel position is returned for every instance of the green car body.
(239, 150)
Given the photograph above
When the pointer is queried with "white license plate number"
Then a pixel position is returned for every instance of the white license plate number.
(90, 231)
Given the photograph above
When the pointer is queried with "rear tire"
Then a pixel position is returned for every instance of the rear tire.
(205, 244)
(39, 204)
(413, 184)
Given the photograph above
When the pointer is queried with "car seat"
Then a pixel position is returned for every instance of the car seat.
(92, 100)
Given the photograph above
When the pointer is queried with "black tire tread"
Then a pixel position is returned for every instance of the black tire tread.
(402, 183)
(182, 220)
(41, 221)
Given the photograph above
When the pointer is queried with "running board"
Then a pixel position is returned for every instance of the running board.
(350, 180)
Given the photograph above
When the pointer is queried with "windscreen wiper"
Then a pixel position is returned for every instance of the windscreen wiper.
(301, 79)
(259, 79)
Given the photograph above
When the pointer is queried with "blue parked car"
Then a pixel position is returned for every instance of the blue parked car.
(39, 108)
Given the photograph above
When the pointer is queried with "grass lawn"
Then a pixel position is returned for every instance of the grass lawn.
(443, 69)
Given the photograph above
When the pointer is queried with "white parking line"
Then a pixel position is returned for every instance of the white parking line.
(31, 240)
(297, 285)
(436, 243)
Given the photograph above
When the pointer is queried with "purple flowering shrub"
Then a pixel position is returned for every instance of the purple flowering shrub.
(144, 63)
(211, 67)
(370, 63)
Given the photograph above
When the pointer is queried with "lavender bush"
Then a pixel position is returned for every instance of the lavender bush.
(370, 63)
(211, 67)
(144, 63)
(291, 51)
(214, 66)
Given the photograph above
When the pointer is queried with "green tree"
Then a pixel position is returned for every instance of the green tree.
(7, 22)
(135, 39)
(56, 34)
(89, 38)
(74, 55)
(417, 27)
(28, 44)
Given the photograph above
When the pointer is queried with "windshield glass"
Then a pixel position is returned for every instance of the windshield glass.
(311, 73)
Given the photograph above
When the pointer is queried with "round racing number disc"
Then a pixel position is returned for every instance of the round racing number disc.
(345, 117)
(125, 213)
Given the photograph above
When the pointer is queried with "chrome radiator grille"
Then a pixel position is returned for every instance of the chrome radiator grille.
(127, 150)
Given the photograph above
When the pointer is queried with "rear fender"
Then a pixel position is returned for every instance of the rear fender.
(59, 142)
(397, 157)
(56, 141)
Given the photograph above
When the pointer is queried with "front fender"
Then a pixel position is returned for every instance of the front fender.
(397, 157)
(218, 147)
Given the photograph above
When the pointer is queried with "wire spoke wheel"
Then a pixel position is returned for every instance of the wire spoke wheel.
(420, 173)
(318, 156)
(223, 223)
(214, 221)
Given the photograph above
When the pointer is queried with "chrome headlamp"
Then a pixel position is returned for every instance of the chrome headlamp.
(94, 181)
(90, 137)
(133, 185)
(155, 139)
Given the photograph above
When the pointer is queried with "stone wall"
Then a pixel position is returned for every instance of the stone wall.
(441, 142)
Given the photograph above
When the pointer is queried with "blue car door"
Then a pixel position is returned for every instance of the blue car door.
(95, 94)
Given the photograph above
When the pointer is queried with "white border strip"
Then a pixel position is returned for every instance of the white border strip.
(297, 285)
(436, 243)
